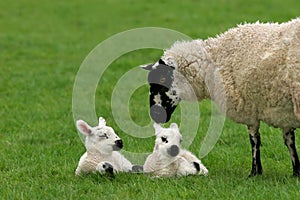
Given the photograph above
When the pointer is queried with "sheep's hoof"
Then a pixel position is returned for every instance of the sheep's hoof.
(296, 173)
(252, 175)
(255, 173)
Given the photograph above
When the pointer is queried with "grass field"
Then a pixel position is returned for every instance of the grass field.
(42, 45)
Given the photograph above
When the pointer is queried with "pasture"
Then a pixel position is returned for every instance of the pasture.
(42, 45)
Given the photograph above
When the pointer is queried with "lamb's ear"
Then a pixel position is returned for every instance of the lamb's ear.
(174, 126)
(147, 67)
(102, 122)
(157, 127)
(83, 127)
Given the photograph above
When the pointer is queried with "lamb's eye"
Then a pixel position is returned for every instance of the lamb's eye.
(164, 139)
(103, 136)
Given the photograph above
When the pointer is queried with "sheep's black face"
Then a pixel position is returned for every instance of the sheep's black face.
(163, 99)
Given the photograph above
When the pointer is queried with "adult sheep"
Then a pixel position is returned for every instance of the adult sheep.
(252, 72)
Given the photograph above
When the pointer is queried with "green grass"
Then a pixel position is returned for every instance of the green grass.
(43, 43)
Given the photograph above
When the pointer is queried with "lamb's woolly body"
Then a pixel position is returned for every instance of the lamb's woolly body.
(89, 161)
(182, 165)
(100, 143)
(257, 66)
(162, 163)
(156, 165)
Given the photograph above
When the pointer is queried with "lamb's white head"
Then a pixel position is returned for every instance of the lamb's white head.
(163, 96)
(100, 138)
(168, 140)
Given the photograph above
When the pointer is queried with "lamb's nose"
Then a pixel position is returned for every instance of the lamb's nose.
(119, 143)
(173, 150)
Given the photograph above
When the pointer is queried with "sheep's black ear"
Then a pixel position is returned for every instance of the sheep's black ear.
(161, 62)
(148, 67)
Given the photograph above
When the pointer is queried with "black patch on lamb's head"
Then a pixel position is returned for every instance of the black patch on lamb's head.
(160, 79)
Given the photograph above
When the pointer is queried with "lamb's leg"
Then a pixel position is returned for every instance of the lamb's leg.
(255, 144)
(196, 163)
(105, 167)
(289, 141)
(185, 167)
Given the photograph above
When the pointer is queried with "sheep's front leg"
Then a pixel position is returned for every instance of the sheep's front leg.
(289, 141)
(255, 144)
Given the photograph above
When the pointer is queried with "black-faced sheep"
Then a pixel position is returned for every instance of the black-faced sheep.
(252, 72)
(168, 158)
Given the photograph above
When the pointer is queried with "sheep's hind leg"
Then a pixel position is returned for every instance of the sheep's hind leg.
(255, 144)
(289, 141)
(296, 102)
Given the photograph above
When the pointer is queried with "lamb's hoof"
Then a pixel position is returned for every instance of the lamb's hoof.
(201, 169)
(197, 166)
(137, 169)
(105, 167)
(108, 168)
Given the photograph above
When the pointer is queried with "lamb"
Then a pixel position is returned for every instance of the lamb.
(102, 145)
(168, 159)
(252, 73)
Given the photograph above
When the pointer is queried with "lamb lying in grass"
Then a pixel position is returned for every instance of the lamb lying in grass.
(168, 159)
(102, 145)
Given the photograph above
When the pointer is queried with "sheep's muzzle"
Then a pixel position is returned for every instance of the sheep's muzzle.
(159, 114)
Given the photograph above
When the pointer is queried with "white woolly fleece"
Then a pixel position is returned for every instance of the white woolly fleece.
(252, 72)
